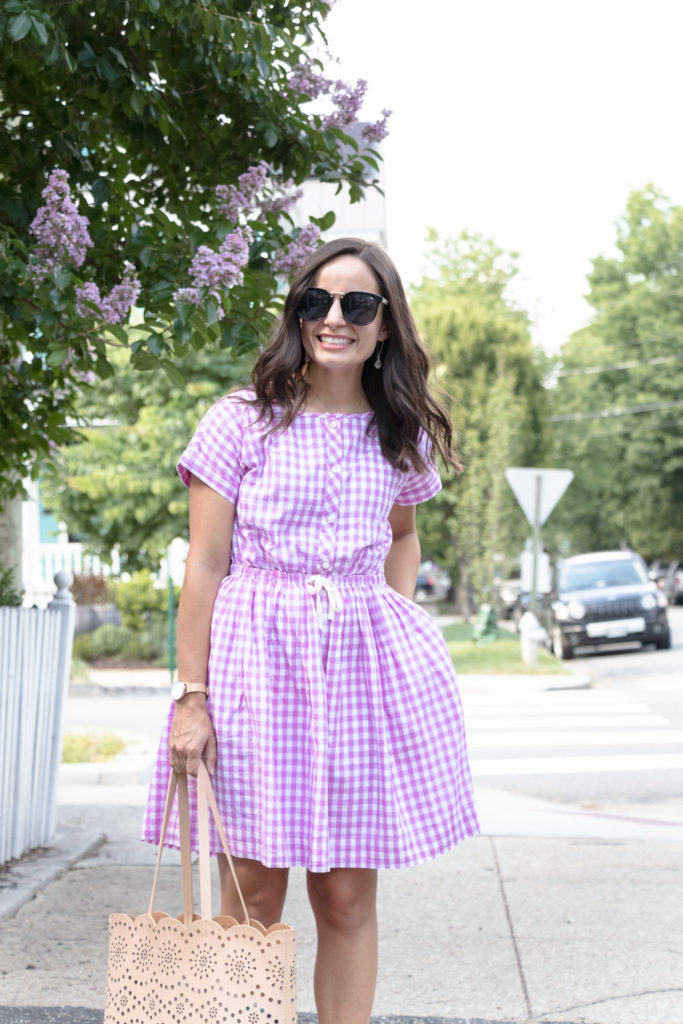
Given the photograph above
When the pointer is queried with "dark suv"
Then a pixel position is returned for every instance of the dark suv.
(605, 598)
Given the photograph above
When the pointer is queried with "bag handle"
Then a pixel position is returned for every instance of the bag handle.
(205, 795)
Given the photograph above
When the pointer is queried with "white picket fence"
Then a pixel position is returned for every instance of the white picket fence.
(35, 658)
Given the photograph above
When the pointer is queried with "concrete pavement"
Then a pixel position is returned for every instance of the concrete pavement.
(552, 916)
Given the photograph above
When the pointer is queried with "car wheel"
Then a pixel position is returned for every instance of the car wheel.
(664, 642)
(561, 649)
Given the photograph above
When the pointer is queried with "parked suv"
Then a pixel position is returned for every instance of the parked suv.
(605, 598)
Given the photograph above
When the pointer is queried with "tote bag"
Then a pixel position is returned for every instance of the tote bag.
(194, 967)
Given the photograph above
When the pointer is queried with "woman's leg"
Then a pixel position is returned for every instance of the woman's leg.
(344, 902)
(264, 889)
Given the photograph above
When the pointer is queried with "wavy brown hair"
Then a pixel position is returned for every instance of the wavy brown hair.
(399, 395)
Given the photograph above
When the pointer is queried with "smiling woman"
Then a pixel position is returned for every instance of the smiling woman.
(324, 700)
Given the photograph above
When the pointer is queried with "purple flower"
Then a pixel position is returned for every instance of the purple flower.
(60, 229)
(348, 101)
(307, 81)
(115, 307)
(377, 131)
(282, 202)
(298, 251)
(88, 293)
(240, 198)
(217, 269)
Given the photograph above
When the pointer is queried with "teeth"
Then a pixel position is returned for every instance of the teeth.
(339, 342)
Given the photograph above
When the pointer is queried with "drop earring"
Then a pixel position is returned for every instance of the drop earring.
(378, 361)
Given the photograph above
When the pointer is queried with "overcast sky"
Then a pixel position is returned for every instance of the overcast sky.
(526, 120)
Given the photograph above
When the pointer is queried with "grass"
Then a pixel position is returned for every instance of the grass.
(80, 747)
(79, 670)
(501, 656)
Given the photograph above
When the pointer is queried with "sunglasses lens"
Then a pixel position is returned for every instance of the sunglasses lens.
(360, 308)
(315, 302)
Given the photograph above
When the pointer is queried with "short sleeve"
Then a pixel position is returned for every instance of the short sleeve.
(417, 487)
(214, 455)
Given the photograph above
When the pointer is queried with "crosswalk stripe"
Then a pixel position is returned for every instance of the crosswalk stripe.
(567, 721)
(591, 738)
(487, 767)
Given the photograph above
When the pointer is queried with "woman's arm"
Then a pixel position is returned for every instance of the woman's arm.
(403, 560)
(208, 561)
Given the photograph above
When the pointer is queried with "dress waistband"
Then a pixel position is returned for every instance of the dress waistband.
(314, 584)
(340, 580)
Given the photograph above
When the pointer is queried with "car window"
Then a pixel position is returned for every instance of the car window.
(601, 574)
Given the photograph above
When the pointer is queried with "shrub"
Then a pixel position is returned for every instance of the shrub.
(9, 595)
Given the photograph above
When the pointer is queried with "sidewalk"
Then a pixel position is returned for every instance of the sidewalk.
(552, 916)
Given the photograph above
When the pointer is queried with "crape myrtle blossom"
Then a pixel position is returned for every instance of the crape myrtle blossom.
(60, 229)
(282, 203)
(241, 198)
(217, 269)
(115, 307)
(297, 252)
(377, 131)
(348, 100)
(307, 81)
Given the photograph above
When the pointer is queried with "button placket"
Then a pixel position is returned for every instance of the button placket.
(330, 504)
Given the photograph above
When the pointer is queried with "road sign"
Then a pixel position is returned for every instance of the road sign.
(538, 490)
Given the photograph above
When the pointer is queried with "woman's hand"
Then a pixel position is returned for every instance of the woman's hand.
(192, 736)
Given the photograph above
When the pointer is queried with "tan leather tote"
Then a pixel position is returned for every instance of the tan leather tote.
(197, 968)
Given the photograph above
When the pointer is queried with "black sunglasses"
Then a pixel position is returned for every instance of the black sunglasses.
(358, 308)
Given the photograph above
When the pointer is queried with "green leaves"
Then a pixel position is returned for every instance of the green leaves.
(19, 26)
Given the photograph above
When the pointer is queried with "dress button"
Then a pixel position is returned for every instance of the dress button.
(326, 565)
(334, 424)
(330, 519)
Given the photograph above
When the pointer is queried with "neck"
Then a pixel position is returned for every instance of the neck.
(333, 392)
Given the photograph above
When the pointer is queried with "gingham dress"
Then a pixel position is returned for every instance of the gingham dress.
(334, 700)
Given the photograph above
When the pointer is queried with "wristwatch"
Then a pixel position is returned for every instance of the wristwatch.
(179, 689)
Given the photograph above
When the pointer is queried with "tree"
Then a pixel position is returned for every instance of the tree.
(486, 366)
(617, 400)
(116, 485)
(167, 141)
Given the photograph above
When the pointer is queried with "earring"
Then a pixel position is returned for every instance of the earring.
(378, 361)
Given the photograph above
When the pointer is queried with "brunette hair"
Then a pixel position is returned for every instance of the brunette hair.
(399, 395)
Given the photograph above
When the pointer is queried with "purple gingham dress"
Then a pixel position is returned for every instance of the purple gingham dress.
(334, 700)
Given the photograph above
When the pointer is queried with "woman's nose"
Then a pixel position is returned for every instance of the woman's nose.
(334, 313)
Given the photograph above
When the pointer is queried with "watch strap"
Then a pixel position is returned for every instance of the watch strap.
(188, 688)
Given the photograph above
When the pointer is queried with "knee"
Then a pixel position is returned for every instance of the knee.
(264, 890)
(342, 900)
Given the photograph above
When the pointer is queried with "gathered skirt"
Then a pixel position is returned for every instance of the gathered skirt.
(339, 725)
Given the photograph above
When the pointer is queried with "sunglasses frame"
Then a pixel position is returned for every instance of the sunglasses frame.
(381, 301)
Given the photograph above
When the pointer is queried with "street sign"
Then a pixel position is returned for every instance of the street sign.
(538, 490)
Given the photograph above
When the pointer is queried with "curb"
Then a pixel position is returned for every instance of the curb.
(123, 770)
(20, 880)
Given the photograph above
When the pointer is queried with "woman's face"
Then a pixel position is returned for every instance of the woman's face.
(332, 343)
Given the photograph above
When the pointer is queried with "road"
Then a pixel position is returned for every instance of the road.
(617, 743)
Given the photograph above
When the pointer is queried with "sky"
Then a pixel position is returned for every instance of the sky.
(528, 121)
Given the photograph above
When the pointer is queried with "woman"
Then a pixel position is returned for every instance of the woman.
(321, 698)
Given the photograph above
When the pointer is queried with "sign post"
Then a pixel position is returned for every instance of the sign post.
(538, 492)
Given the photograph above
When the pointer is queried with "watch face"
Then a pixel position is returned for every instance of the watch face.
(178, 691)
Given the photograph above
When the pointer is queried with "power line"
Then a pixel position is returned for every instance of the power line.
(658, 360)
(604, 414)
(659, 425)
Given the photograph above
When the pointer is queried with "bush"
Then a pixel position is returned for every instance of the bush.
(10, 597)
(103, 642)
(147, 643)
(139, 600)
